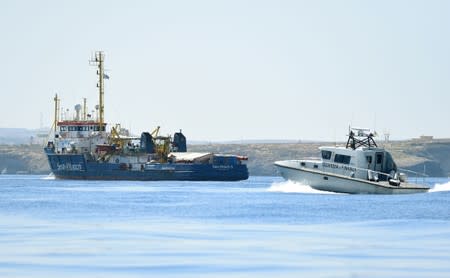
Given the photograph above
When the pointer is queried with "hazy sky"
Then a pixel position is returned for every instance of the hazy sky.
(226, 70)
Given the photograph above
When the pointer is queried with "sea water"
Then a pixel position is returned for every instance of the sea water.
(261, 227)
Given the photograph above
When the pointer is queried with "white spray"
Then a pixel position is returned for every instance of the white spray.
(293, 187)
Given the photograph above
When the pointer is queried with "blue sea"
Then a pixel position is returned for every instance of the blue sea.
(261, 227)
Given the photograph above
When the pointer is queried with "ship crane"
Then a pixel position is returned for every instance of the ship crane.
(155, 132)
(162, 144)
(115, 137)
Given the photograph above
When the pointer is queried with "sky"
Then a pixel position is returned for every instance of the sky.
(233, 70)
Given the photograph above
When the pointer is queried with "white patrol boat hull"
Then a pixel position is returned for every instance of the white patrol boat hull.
(326, 181)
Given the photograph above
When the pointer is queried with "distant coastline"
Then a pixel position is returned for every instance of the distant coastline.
(17, 156)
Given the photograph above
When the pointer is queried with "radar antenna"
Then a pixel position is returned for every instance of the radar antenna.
(360, 137)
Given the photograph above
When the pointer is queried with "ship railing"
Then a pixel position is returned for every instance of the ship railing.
(417, 175)
(369, 174)
(376, 175)
(310, 159)
(413, 172)
(373, 175)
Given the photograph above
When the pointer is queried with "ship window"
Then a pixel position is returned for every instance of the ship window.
(326, 154)
(339, 158)
(63, 128)
(379, 158)
(369, 159)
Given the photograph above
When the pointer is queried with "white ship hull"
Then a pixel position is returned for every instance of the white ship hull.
(326, 181)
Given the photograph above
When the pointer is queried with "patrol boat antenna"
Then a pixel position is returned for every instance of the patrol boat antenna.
(360, 137)
(98, 60)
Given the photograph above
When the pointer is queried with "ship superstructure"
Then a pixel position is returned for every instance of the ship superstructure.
(82, 148)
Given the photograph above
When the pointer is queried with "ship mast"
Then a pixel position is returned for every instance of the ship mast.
(55, 123)
(98, 61)
(84, 109)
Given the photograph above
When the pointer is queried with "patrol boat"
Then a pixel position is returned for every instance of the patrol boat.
(81, 148)
(361, 167)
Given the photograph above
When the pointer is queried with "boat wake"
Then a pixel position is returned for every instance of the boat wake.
(49, 177)
(440, 187)
(294, 187)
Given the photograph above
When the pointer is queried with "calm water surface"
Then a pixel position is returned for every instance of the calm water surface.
(262, 227)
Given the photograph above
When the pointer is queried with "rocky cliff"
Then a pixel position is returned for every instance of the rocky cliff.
(433, 156)
(417, 156)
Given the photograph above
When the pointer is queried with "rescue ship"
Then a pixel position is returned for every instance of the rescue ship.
(82, 148)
